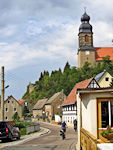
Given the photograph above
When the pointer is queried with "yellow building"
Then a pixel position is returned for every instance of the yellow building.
(104, 79)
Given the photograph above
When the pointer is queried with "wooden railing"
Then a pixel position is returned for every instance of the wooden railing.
(88, 141)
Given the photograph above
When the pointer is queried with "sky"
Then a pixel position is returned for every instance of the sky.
(38, 35)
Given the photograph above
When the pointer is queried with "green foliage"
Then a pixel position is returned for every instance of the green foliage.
(16, 117)
(25, 111)
(47, 84)
(111, 84)
(23, 131)
(26, 93)
(22, 124)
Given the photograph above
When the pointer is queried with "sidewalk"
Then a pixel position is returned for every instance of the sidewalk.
(26, 138)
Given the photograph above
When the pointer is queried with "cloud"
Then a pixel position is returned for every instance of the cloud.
(103, 34)
(45, 32)
(59, 44)
(33, 28)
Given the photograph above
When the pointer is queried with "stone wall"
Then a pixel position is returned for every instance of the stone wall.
(33, 128)
(84, 57)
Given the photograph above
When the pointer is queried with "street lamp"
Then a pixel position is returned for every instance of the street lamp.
(6, 86)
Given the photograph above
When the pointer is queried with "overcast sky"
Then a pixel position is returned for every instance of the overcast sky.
(37, 35)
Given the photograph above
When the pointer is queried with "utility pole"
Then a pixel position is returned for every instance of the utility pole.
(2, 93)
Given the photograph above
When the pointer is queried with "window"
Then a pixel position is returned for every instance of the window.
(12, 102)
(87, 52)
(25, 103)
(58, 106)
(105, 116)
(71, 107)
(107, 113)
(106, 79)
(8, 101)
(6, 109)
(6, 117)
(86, 38)
(14, 109)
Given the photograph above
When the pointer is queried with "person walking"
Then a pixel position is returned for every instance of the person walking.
(75, 124)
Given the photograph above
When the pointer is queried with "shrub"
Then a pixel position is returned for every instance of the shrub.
(23, 131)
(22, 124)
(16, 117)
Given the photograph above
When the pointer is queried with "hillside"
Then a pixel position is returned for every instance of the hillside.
(48, 84)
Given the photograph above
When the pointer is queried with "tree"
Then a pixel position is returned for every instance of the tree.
(25, 111)
(16, 117)
(67, 66)
(47, 85)
(111, 84)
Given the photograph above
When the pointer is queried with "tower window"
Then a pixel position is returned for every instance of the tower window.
(87, 52)
(86, 38)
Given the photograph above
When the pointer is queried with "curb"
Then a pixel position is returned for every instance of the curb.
(27, 138)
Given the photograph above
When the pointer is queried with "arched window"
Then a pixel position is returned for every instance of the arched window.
(86, 38)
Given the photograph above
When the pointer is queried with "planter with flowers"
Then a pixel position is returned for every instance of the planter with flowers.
(107, 133)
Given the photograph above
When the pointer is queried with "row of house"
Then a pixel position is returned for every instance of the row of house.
(91, 103)
(50, 107)
(69, 106)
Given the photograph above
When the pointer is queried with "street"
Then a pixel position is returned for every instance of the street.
(50, 141)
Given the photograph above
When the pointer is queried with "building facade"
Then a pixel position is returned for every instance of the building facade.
(39, 107)
(53, 105)
(104, 79)
(69, 106)
(11, 106)
(94, 108)
(87, 52)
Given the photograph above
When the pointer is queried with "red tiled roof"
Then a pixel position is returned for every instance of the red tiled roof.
(71, 99)
(21, 101)
(101, 52)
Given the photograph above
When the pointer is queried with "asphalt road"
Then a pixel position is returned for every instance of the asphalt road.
(51, 141)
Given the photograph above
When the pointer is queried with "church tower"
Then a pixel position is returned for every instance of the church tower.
(86, 51)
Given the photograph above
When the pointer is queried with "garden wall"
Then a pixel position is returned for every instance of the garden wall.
(33, 128)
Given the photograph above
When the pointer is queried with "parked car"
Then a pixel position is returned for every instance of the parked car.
(8, 130)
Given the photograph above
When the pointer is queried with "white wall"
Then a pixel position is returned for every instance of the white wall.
(89, 114)
(89, 111)
(69, 114)
(57, 118)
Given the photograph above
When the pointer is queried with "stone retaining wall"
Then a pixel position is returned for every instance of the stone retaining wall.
(33, 128)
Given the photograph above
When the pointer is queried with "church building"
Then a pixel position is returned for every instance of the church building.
(87, 52)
